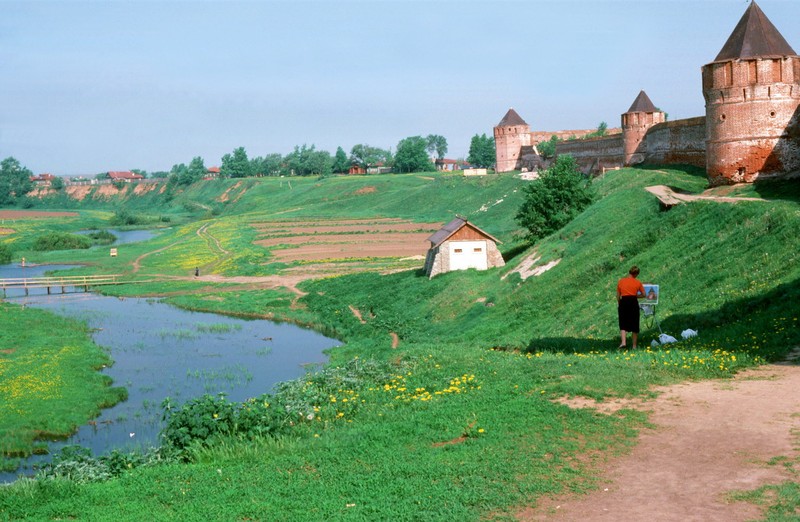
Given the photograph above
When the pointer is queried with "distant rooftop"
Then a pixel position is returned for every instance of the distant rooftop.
(511, 119)
(754, 37)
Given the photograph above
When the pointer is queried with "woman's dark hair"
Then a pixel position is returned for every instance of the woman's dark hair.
(634, 271)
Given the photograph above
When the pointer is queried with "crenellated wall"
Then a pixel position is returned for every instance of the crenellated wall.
(677, 142)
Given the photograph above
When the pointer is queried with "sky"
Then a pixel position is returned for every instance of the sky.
(87, 87)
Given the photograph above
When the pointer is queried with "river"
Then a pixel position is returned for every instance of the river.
(161, 351)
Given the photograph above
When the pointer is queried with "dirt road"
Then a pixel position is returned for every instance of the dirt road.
(709, 438)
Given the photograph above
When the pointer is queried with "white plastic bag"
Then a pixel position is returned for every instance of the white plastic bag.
(666, 339)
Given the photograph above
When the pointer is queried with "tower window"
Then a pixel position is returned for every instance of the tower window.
(771, 114)
(721, 117)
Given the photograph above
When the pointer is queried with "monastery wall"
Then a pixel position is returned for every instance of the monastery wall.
(540, 136)
(594, 154)
(677, 142)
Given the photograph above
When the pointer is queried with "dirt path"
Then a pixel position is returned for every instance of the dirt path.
(709, 438)
(670, 197)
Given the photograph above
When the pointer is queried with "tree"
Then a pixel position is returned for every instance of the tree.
(57, 183)
(547, 149)
(481, 151)
(308, 161)
(235, 165)
(555, 199)
(182, 175)
(437, 144)
(601, 131)
(341, 163)
(412, 156)
(269, 165)
(365, 155)
(15, 181)
(196, 171)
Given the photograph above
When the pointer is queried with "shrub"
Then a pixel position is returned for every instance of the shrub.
(5, 254)
(60, 241)
(560, 194)
(124, 218)
(102, 237)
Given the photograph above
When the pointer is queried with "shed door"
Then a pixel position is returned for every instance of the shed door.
(468, 254)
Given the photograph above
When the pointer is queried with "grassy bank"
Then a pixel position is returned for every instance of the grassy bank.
(462, 425)
(51, 385)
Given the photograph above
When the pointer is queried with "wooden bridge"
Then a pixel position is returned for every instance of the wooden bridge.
(63, 282)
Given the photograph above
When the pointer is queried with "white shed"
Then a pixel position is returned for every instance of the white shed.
(460, 245)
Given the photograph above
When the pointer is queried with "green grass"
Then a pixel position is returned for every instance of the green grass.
(51, 385)
(496, 350)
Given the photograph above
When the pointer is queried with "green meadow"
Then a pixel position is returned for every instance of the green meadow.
(458, 421)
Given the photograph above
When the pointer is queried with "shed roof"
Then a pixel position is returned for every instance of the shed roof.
(642, 103)
(511, 119)
(447, 231)
(754, 37)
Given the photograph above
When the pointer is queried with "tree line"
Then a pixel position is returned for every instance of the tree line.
(413, 154)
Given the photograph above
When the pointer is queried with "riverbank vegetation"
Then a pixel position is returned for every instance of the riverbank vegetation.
(441, 404)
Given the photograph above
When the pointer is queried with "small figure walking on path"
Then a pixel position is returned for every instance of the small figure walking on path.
(629, 291)
(197, 271)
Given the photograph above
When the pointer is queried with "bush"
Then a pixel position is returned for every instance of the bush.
(60, 241)
(124, 218)
(5, 254)
(102, 237)
(560, 194)
(295, 402)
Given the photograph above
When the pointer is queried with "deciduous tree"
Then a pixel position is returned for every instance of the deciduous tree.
(437, 144)
(365, 155)
(235, 165)
(412, 155)
(552, 201)
(481, 151)
(341, 163)
(15, 181)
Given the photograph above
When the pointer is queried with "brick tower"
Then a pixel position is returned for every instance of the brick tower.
(640, 117)
(510, 135)
(752, 93)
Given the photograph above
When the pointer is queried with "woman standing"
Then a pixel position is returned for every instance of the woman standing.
(629, 291)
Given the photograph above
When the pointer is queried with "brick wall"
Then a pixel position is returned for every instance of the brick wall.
(594, 154)
(677, 142)
(540, 136)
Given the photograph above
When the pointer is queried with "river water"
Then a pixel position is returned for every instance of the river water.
(160, 351)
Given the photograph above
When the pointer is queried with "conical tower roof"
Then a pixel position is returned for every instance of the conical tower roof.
(642, 103)
(511, 119)
(754, 37)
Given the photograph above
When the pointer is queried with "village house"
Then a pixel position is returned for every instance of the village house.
(43, 180)
(125, 176)
(460, 245)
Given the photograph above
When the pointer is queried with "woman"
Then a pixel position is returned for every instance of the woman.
(629, 291)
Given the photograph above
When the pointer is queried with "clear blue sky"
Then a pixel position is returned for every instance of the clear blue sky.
(87, 87)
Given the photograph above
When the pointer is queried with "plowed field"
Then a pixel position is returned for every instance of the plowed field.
(304, 241)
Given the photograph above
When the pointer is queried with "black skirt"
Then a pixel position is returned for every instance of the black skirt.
(628, 310)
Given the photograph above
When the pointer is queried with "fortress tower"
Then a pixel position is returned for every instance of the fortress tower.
(752, 93)
(640, 117)
(510, 135)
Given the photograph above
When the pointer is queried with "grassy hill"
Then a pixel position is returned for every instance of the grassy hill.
(457, 421)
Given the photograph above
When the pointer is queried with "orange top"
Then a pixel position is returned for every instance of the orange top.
(629, 286)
